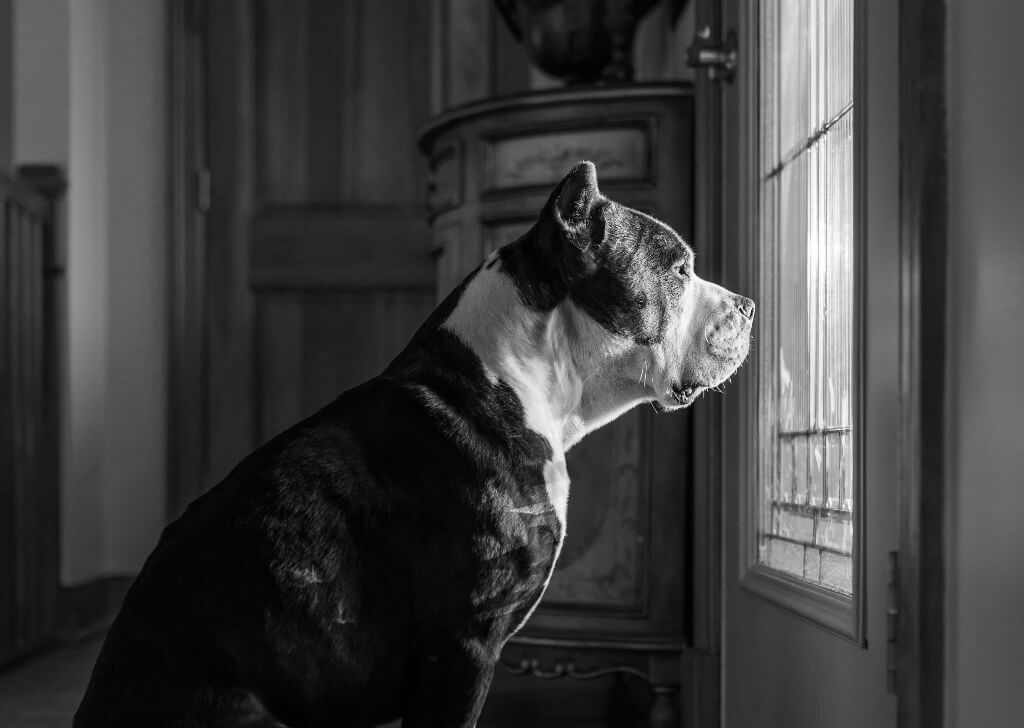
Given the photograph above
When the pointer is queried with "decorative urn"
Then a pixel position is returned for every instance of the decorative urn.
(579, 41)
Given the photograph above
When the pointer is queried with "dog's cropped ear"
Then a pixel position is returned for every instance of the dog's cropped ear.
(573, 211)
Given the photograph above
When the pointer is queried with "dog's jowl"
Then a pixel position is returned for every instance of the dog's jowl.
(370, 562)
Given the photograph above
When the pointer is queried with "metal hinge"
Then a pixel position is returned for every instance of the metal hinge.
(892, 624)
(202, 189)
(719, 59)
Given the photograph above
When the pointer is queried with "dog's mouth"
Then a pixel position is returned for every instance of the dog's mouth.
(680, 395)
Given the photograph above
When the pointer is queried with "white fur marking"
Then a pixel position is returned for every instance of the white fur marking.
(515, 345)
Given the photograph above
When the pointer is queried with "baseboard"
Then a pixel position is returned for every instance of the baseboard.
(87, 609)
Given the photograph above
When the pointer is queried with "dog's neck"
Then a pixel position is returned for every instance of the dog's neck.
(570, 374)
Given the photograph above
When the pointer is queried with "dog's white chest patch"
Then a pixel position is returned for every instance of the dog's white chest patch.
(514, 347)
(556, 482)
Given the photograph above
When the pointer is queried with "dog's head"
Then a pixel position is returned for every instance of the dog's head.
(675, 334)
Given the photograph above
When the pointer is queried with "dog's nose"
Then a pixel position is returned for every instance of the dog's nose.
(746, 306)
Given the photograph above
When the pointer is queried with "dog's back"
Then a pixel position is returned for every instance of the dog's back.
(371, 562)
(302, 586)
(249, 601)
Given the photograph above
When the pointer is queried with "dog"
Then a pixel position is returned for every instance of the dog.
(370, 562)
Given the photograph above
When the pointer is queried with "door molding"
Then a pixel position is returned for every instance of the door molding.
(185, 259)
(922, 397)
(702, 664)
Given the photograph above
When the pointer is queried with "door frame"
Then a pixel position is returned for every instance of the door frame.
(918, 603)
(187, 310)
(701, 692)
(924, 487)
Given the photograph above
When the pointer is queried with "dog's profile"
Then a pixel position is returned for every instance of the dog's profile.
(370, 562)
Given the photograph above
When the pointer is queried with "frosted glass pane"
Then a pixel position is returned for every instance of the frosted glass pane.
(806, 279)
(837, 312)
(769, 91)
(838, 460)
(816, 471)
(794, 357)
(838, 28)
(794, 60)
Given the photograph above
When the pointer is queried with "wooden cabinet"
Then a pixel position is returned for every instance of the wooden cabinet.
(617, 601)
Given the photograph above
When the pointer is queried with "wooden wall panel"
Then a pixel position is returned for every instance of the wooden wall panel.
(317, 265)
(279, 334)
(474, 55)
(281, 43)
(314, 346)
(393, 104)
(341, 89)
(226, 316)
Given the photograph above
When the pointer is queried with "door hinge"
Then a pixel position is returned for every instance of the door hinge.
(202, 190)
(892, 624)
(718, 58)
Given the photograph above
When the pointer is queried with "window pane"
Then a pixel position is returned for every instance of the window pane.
(806, 287)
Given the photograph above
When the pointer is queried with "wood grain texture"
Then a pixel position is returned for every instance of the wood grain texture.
(605, 559)
(312, 346)
(314, 258)
(473, 55)
(340, 90)
(187, 441)
(227, 318)
(351, 247)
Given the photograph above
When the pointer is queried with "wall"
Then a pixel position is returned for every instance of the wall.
(6, 82)
(90, 95)
(986, 395)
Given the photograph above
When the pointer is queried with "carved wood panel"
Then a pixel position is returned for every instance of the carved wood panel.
(603, 562)
(621, 152)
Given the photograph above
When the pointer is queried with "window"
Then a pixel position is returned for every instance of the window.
(804, 504)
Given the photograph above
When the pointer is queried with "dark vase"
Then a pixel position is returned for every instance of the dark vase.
(579, 41)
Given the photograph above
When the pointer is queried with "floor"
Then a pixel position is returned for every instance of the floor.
(44, 692)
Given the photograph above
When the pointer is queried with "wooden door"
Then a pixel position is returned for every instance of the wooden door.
(809, 446)
(314, 267)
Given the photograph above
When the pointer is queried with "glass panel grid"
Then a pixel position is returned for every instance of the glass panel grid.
(806, 289)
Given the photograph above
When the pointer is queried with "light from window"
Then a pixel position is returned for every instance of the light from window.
(806, 282)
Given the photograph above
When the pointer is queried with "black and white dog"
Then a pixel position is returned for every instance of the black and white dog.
(370, 562)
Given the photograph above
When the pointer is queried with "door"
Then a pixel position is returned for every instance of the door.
(311, 265)
(809, 439)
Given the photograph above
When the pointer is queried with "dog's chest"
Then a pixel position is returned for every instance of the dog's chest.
(518, 549)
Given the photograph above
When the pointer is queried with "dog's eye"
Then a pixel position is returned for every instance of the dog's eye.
(681, 271)
(688, 391)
